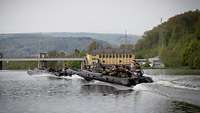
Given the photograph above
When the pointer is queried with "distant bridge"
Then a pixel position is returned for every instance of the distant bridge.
(41, 59)
(52, 59)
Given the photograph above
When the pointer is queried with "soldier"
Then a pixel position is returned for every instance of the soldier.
(104, 70)
(114, 70)
(135, 65)
(136, 69)
(66, 67)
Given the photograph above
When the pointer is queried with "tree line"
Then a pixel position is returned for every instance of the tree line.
(176, 41)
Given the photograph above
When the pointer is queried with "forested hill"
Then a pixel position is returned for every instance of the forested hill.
(114, 39)
(29, 44)
(177, 41)
(26, 45)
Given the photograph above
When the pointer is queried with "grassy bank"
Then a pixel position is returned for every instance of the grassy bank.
(25, 65)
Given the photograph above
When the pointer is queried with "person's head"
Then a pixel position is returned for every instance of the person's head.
(134, 61)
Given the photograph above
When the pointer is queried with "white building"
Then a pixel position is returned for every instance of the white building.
(156, 62)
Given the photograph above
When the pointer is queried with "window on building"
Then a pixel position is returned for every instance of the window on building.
(123, 55)
(103, 56)
(113, 55)
(120, 61)
(126, 55)
(106, 55)
(103, 61)
(116, 55)
(99, 55)
(110, 55)
(130, 56)
(120, 56)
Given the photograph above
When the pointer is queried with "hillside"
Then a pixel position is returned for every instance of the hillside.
(176, 41)
(22, 45)
(112, 38)
(29, 44)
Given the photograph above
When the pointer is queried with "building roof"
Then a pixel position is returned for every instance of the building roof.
(109, 51)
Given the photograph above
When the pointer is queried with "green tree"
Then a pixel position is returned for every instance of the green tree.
(93, 46)
(191, 55)
(175, 41)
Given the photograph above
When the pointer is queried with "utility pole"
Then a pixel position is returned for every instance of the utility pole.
(161, 43)
(126, 37)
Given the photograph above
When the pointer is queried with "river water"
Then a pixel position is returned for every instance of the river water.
(172, 92)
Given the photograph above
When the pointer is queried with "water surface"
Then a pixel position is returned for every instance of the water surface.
(21, 93)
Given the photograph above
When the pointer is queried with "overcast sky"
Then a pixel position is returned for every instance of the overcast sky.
(108, 16)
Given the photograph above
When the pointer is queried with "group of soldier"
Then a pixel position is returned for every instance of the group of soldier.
(132, 70)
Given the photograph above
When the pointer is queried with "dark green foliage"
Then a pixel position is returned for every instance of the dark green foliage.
(13, 65)
(55, 54)
(146, 65)
(191, 55)
(76, 53)
(93, 46)
(176, 41)
(73, 64)
(60, 64)
(126, 46)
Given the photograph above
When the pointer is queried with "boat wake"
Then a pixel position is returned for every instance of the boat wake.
(140, 87)
(187, 82)
(174, 84)
(169, 84)
(182, 83)
(73, 77)
(116, 86)
(42, 75)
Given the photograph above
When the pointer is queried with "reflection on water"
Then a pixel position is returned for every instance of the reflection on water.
(20, 93)
(102, 89)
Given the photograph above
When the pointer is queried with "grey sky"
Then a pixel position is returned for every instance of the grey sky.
(110, 16)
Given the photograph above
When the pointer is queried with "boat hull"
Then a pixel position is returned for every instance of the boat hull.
(125, 81)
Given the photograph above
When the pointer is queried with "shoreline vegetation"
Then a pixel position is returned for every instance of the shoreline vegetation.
(176, 41)
(25, 65)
